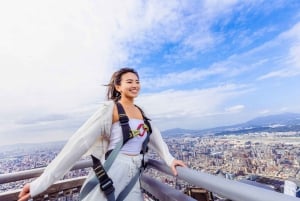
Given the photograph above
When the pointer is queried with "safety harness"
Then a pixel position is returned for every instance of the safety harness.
(102, 178)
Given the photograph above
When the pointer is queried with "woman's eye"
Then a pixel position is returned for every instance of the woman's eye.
(130, 82)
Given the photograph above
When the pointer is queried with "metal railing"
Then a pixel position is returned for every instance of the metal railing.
(230, 189)
(161, 191)
(59, 189)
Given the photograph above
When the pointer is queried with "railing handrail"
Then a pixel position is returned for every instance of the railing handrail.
(61, 185)
(231, 189)
(28, 174)
(162, 191)
(154, 187)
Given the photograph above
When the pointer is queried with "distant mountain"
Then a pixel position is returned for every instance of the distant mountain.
(283, 119)
(179, 132)
(272, 123)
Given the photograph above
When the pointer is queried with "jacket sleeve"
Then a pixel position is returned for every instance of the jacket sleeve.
(159, 146)
(74, 149)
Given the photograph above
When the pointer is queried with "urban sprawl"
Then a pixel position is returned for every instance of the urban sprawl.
(269, 155)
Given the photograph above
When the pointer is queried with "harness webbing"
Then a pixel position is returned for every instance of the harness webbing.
(106, 184)
(123, 119)
(91, 184)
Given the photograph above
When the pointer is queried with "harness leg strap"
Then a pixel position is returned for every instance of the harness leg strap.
(106, 184)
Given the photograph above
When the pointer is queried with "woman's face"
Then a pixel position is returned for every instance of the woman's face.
(129, 86)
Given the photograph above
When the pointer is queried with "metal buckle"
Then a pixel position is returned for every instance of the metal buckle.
(99, 171)
(123, 119)
(107, 186)
(123, 123)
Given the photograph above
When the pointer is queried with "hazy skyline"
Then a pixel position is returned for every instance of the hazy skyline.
(202, 64)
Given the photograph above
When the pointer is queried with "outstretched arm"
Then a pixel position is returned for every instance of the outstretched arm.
(76, 146)
(157, 143)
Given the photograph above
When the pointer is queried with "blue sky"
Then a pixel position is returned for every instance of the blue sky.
(202, 63)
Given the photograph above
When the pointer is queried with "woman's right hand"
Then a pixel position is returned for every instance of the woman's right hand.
(25, 193)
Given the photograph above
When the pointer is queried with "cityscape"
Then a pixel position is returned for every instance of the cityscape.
(268, 155)
(273, 155)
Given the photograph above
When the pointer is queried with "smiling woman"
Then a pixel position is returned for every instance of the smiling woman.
(118, 134)
(131, 84)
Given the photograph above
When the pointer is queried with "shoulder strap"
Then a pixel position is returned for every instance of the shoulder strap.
(101, 177)
(106, 184)
(146, 119)
(146, 141)
(132, 182)
(123, 119)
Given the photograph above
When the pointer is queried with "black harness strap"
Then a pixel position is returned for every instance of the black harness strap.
(106, 184)
(146, 141)
(144, 150)
(123, 119)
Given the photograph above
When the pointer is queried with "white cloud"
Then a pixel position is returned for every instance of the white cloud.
(54, 58)
(167, 108)
(56, 55)
(213, 8)
(234, 109)
(180, 78)
(265, 111)
(289, 63)
(186, 24)
(283, 109)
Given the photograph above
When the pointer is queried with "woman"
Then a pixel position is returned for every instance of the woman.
(101, 133)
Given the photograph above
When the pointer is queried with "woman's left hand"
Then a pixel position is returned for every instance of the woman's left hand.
(175, 163)
(25, 193)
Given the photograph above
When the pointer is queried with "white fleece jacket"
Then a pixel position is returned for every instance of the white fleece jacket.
(91, 138)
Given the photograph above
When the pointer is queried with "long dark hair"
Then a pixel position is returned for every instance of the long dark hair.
(112, 93)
